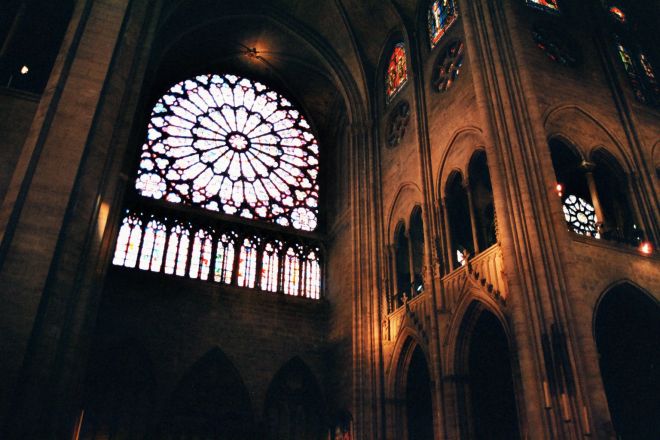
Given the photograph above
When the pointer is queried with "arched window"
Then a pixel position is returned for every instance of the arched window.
(397, 71)
(639, 71)
(402, 265)
(417, 248)
(482, 200)
(613, 194)
(441, 15)
(572, 187)
(544, 5)
(228, 144)
(459, 219)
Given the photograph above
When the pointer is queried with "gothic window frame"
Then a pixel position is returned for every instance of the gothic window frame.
(448, 66)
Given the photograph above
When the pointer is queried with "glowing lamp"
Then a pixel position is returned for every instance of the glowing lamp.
(24, 70)
(559, 189)
(646, 248)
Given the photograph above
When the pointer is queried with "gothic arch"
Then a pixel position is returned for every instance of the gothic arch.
(408, 195)
(480, 320)
(626, 322)
(397, 34)
(584, 129)
(408, 343)
(462, 144)
(295, 407)
(210, 400)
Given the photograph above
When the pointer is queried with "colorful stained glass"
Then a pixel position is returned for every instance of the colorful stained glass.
(312, 270)
(187, 251)
(291, 272)
(153, 245)
(449, 66)
(200, 257)
(247, 264)
(441, 15)
(631, 71)
(546, 5)
(270, 267)
(224, 259)
(397, 71)
(555, 45)
(128, 242)
(649, 74)
(618, 14)
(229, 144)
(581, 216)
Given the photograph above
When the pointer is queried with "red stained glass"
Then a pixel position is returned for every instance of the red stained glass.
(548, 5)
(618, 14)
(441, 15)
(397, 71)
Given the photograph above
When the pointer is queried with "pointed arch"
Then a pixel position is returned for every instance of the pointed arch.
(295, 408)
(626, 325)
(210, 401)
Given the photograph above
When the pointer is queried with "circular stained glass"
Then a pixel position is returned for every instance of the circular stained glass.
(229, 144)
(581, 216)
(449, 66)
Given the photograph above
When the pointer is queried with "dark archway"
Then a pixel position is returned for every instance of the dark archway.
(118, 393)
(210, 402)
(419, 404)
(417, 247)
(294, 405)
(627, 328)
(482, 200)
(402, 257)
(458, 211)
(490, 381)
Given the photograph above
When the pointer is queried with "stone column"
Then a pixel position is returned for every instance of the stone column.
(588, 168)
(473, 219)
(450, 248)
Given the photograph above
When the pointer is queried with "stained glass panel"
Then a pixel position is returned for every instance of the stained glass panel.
(312, 285)
(441, 15)
(153, 245)
(449, 66)
(397, 71)
(618, 14)
(230, 144)
(631, 71)
(270, 267)
(247, 263)
(547, 5)
(224, 259)
(128, 242)
(291, 272)
(581, 216)
(200, 257)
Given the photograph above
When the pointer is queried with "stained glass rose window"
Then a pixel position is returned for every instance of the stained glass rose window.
(230, 144)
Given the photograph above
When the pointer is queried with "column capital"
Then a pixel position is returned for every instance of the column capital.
(587, 166)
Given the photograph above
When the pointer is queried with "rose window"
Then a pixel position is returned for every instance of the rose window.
(449, 66)
(229, 144)
(581, 216)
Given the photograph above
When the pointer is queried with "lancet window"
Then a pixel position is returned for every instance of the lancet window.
(441, 15)
(231, 145)
(545, 5)
(397, 71)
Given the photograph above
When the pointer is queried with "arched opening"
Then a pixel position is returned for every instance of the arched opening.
(491, 396)
(572, 173)
(627, 326)
(402, 263)
(419, 404)
(612, 186)
(294, 405)
(482, 200)
(118, 393)
(458, 213)
(210, 401)
(417, 247)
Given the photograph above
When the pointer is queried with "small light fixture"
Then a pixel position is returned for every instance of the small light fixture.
(24, 70)
(646, 247)
(559, 189)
